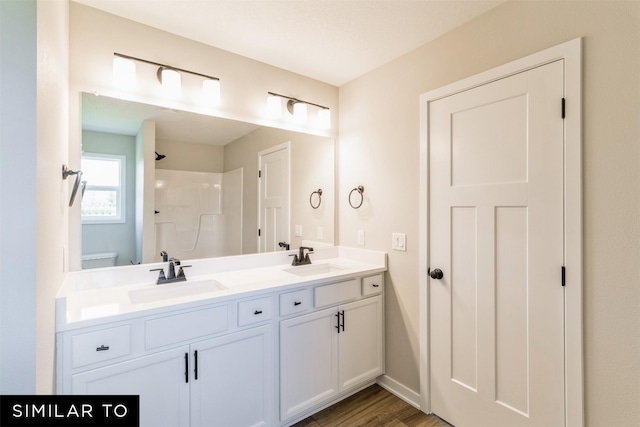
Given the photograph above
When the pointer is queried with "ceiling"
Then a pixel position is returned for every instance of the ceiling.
(333, 41)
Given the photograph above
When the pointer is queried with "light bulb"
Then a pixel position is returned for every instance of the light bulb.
(300, 112)
(124, 72)
(324, 118)
(170, 80)
(211, 91)
(274, 106)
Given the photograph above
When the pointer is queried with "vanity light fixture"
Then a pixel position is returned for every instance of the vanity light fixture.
(298, 108)
(324, 118)
(274, 106)
(211, 91)
(124, 72)
(170, 77)
(170, 80)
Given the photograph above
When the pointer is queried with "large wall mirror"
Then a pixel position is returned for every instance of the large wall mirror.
(197, 186)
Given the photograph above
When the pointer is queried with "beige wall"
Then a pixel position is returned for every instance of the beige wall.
(312, 167)
(188, 156)
(379, 148)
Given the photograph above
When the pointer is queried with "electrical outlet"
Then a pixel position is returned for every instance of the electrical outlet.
(319, 233)
(298, 231)
(361, 237)
(399, 242)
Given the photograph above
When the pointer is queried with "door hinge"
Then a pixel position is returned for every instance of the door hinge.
(563, 108)
(564, 276)
(260, 172)
(258, 232)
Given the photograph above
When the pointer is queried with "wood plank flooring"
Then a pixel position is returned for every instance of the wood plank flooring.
(372, 407)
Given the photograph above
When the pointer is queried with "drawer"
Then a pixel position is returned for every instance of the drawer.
(295, 302)
(186, 326)
(372, 285)
(101, 345)
(254, 311)
(337, 292)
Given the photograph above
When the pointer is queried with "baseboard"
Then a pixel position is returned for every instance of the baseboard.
(403, 392)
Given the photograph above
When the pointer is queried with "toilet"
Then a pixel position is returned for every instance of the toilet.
(98, 260)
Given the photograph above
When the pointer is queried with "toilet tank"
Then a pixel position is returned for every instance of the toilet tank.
(105, 259)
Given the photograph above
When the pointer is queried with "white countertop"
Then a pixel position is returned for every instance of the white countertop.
(91, 297)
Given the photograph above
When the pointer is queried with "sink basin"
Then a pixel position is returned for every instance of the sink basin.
(173, 290)
(313, 269)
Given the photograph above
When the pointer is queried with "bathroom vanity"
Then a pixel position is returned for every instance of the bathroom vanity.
(245, 341)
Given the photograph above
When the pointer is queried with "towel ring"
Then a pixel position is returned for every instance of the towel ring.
(319, 193)
(65, 174)
(360, 190)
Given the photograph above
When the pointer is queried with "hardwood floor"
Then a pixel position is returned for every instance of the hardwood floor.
(372, 407)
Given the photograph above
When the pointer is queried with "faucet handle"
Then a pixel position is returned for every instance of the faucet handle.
(181, 270)
(161, 275)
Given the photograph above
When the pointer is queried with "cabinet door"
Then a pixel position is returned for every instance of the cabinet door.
(308, 361)
(360, 342)
(232, 380)
(160, 380)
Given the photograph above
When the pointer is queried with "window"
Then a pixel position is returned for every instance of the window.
(104, 194)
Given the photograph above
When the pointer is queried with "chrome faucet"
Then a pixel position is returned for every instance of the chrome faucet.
(302, 258)
(171, 276)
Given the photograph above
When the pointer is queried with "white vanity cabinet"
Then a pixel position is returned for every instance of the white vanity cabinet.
(159, 380)
(271, 346)
(234, 383)
(331, 350)
(182, 377)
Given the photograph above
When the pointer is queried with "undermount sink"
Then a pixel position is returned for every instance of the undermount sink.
(174, 290)
(313, 269)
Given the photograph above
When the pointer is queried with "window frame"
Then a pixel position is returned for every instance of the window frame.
(120, 190)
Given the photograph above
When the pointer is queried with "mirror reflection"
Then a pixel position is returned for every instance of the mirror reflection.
(197, 186)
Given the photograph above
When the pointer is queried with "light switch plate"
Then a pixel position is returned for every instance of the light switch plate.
(319, 233)
(361, 237)
(298, 231)
(399, 242)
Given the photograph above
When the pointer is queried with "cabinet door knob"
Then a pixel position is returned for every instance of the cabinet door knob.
(375, 285)
(102, 348)
(257, 312)
(297, 302)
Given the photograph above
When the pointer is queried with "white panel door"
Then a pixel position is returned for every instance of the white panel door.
(496, 232)
(273, 198)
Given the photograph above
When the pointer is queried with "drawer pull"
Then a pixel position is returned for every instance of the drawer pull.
(375, 285)
(257, 312)
(102, 348)
(297, 303)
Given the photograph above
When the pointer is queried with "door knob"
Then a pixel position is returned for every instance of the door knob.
(436, 274)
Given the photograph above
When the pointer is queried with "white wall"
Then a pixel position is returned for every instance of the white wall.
(17, 196)
(34, 197)
(379, 148)
(52, 192)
